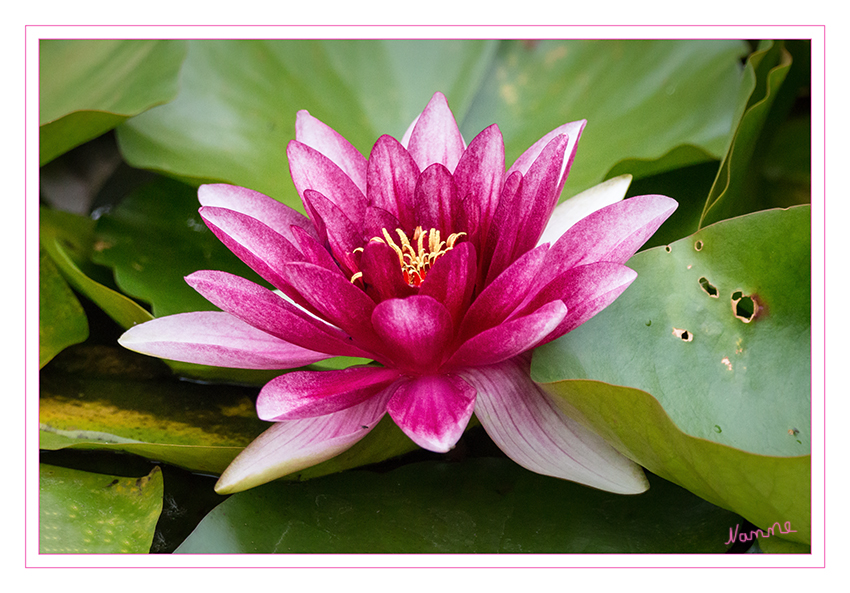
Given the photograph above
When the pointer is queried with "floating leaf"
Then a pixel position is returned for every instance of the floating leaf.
(87, 87)
(238, 100)
(717, 330)
(477, 506)
(641, 98)
(86, 513)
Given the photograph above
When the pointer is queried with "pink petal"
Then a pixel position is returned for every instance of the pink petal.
(612, 234)
(502, 296)
(573, 130)
(585, 290)
(480, 172)
(311, 169)
(312, 250)
(277, 216)
(570, 211)
(521, 217)
(433, 410)
(452, 280)
(318, 135)
(391, 179)
(268, 312)
(415, 331)
(436, 203)
(307, 394)
(337, 300)
(264, 250)
(536, 434)
(342, 234)
(435, 137)
(215, 339)
(509, 338)
(293, 445)
(382, 273)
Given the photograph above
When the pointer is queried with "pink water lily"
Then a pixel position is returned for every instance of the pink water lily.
(426, 258)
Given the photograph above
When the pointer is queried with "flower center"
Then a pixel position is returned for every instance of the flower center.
(417, 255)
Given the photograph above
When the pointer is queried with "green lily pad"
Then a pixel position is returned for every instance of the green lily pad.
(86, 513)
(61, 319)
(110, 399)
(641, 98)
(87, 87)
(477, 506)
(717, 330)
(236, 109)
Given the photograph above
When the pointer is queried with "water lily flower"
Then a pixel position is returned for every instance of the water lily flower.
(430, 259)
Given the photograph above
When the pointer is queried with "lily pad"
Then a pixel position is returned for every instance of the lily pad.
(641, 98)
(236, 109)
(717, 329)
(86, 513)
(61, 319)
(477, 506)
(88, 87)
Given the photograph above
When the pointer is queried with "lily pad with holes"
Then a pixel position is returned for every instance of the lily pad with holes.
(86, 513)
(715, 333)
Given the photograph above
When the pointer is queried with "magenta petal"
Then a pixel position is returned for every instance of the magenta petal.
(436, 137)
(433, 410)
(337, 300)
(435, 202)
(502, 296)
(452, 280)
(312, 250)
(573, 130)
(342, 234)
(307, 394)
(293, 445)
(585, 290)
(311, 169)
(277, 216)
(216, 339)
(263, 249)
(318, 135)
(612, 234)
(536, 434)
(270, 313)
(480, 171)
(509, 338)
(391, 179)
(382, 274)
(415, 330)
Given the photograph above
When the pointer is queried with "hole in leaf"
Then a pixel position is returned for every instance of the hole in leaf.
(683, 334)
(793, 432)
(708, 287)
(717, 429)
(667, 248)
(648, 323)
(744, 307)
(698, 245)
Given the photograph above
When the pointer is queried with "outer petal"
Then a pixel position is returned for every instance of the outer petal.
(271, 313)
(532, 431)
(585, 290)
(433, 410)
(216, 339)
(311, 169)
(277, 216)
(415, 330)
(570, 211)
(510, 338)
(318, 135)
(435, 137)
(255, 243)
(307, 394)
(293, 445)
(573, 130)
(612, 234)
